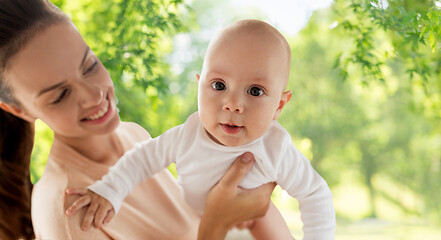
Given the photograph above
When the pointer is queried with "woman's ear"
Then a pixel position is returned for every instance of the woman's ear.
(16, 112)
(284, 99)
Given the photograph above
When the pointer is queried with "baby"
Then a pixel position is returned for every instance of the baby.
(242, 91)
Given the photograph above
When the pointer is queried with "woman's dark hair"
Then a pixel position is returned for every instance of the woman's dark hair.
(20, 20)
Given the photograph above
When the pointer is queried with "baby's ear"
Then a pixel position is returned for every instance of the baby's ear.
(284, 99)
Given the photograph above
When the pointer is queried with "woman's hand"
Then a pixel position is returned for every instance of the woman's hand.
(228, 205)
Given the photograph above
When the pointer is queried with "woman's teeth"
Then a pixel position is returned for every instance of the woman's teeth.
(100, 113)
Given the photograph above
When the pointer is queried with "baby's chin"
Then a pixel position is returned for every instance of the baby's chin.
(233, 142)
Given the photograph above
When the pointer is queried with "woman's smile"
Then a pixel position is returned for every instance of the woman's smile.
(100, 114)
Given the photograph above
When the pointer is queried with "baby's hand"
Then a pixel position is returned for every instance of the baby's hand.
(100, 210)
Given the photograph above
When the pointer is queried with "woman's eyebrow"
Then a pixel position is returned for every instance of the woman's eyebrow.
(50, 88)
(61, 83)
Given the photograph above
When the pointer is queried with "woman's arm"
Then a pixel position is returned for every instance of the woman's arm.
(228, 205)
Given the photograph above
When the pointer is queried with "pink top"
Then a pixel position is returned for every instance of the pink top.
(154, 210)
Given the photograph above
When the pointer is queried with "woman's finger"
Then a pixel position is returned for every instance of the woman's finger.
(79, 191)
(90, 215)
(260, 197)
(78, 204)
(246, 224)
(238, 170)
(263, 191)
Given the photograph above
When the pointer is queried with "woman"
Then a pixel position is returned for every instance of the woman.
(48, 72)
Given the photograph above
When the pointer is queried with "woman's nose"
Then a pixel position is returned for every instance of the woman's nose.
(91, 95)
(233, 104)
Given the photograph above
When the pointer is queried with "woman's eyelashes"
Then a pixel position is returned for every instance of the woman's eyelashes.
(61, 97)
(65, 91)
(90, 68)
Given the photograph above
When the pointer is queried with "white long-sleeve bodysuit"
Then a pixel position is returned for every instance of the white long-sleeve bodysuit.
(201, 162)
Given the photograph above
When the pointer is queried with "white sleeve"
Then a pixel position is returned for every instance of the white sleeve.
(301, 181)
(144, 160)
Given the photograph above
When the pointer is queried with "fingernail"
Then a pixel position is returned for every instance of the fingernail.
(246, 157)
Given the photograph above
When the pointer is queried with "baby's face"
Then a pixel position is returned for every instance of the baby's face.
(242, 89)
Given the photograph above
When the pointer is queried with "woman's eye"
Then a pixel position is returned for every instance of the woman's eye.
(218, 86)
(61, 97)
(90, 69)
(255, 91)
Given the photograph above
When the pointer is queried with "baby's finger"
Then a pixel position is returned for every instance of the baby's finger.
(90, 215)
(109, 216)
(79, 191)
(100, 214)
(78, 204)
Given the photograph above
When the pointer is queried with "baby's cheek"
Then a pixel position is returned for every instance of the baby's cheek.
(259, 128)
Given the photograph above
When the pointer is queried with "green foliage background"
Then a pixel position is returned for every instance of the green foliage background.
(366, 103)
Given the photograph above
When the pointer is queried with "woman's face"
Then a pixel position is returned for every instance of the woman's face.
(59, 80)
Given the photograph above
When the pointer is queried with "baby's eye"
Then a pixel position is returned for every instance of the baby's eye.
(255, 91)
(218, 86)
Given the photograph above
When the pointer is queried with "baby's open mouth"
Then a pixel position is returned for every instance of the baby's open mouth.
(231, 128)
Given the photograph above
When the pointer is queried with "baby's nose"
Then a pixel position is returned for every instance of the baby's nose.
(233, 105)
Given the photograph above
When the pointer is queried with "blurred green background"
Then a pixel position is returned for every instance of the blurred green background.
(366, 108)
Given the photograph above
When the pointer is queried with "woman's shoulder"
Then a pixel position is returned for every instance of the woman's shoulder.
(53, 179)
(48, 194)
(49, 203)
(133, 131)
